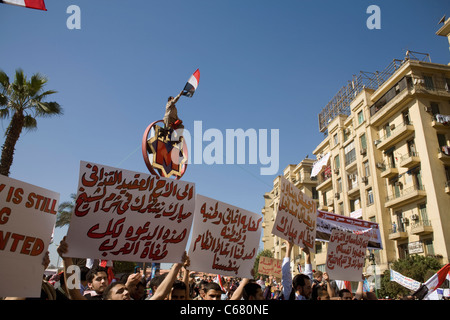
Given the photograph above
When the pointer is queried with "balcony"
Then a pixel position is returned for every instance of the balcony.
(435, 87)
(421, 227)
(405, 196)
(397, 134)
(388, 171)
(444, 154)
(354, 191)
(410, 160)
(441, 123)
(324, 180)
(398, 234)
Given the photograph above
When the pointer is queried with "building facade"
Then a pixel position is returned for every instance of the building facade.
(389, 163)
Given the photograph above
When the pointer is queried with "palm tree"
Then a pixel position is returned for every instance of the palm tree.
(23, 100)
(65, 212)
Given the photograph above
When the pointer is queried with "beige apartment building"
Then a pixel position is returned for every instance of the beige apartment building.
(387, 136)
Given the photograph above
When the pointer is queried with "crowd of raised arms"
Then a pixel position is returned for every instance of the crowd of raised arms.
(96, 283)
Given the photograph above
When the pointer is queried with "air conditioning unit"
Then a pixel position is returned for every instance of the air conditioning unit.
(364, 179)
(337, 195)
(415, 216)
(336, 171)
(392, 126)
(363, 151)
(377, 142)
(398, 184)
(428, 109)
(404, 220)
(380, 165)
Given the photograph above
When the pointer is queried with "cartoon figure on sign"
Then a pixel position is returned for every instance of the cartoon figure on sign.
(165, 151)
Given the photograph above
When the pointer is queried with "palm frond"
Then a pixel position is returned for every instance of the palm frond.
(46, 109)
(4, 80)
(29, 123)
(4, 113)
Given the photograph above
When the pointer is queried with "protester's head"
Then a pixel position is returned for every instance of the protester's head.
(302, 286)
(156, 281)
(170, 98)
(83, 273)
(345, 294)
(320, 293)
(212, 291)
(97, 279)
(139, 293)
(201, 288)
(252, 291)
(318, 275)
(178, 291)
(116, 291)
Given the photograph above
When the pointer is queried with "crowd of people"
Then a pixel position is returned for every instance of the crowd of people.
(97, 282)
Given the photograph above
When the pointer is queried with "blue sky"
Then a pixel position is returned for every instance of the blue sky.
(264, 65)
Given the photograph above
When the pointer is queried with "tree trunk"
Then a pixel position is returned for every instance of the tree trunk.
(12, 136)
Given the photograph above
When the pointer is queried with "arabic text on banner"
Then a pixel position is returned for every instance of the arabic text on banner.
(130, 216)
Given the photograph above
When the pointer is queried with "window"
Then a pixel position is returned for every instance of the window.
(341, 208)
(336, 139)
(428, 82)
(387, 130)
(360, 117)
(442, 140)
(434, 108)
(411, 148)
(406, 119)
(339, 185)
(429, 246)
(315, 194)
(337, 162)
(369, 197)
(363, 141)
(423, 211)
(350, 154)
(366, 168)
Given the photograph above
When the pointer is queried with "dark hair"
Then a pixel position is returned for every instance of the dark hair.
(83, 273)
(91, 274)
(168, 99)
(156, 281)
(250, 289)
(298, 281)
(342, 291)
(178, 285)
(106, 293)
(212, 286)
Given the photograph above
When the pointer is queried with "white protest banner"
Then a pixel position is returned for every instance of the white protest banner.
(327, 222)
(406, 282)
(27, 219)
(225, 238)
(346, 254)
(296, 216)
(130, 216)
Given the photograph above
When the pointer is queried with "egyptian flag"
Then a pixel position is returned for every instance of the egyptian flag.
(219, 281)
(433, 283)
(32, 4)
(192, 84)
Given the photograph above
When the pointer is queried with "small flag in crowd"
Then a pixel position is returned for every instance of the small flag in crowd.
(32, 4)
(192, 84)
(219, 281)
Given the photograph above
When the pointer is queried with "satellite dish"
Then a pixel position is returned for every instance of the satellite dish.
(442, 20)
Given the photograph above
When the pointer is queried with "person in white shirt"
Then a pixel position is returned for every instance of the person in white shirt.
(300, 287)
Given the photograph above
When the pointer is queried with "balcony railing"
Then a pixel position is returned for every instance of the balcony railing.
(421, 227)
(410, 159)
(436, 86)
(396, 134)
(406, 195)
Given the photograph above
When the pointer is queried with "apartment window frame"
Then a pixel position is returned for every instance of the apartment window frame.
(360, 117)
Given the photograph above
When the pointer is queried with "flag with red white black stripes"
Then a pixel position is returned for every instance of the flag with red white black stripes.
(32, 4)
(192, 84)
